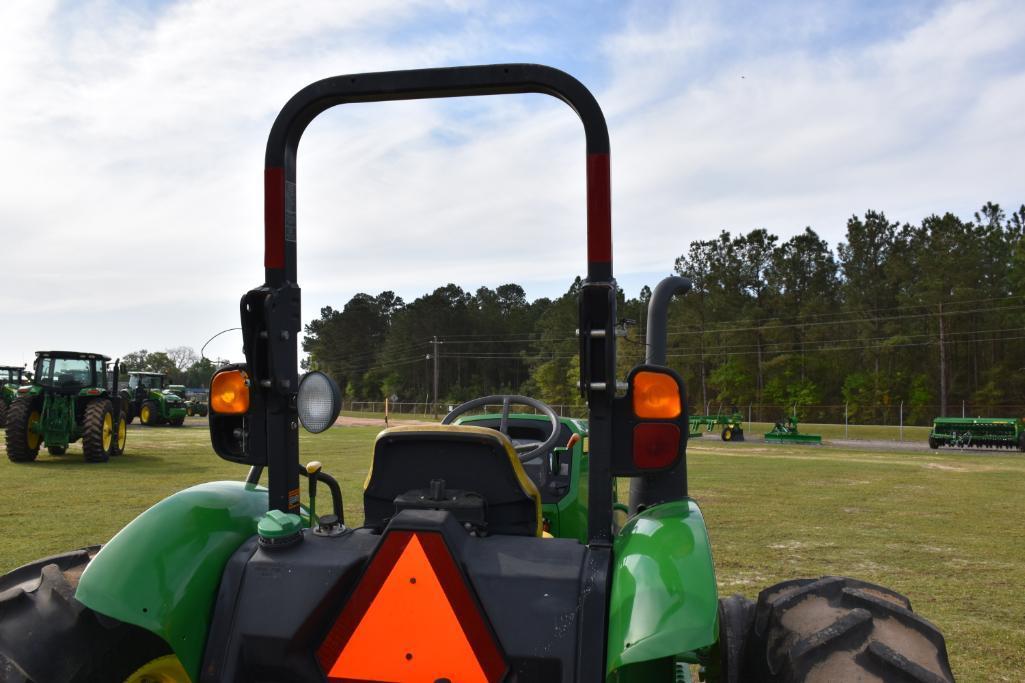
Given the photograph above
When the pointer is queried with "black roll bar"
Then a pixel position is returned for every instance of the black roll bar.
(271, 316)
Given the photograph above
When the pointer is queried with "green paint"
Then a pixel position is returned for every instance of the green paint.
(278, 524)
(161, 572)
(569, 514)
(664, 602)
(57, 423)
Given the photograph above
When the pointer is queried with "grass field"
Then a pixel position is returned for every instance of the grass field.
(946, 528)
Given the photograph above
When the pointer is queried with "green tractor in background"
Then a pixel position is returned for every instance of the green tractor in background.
(68, 399)
(194, 405)
(149, 401)
(198, 404)
(10, 380)
(450, 575)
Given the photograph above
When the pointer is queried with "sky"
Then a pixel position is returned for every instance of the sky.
(131, 201)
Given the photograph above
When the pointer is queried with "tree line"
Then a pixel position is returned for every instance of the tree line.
(181, 364)
(925, 316)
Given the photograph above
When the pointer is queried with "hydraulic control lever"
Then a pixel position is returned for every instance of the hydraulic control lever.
(314, 473)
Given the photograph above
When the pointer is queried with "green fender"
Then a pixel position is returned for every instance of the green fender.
(161, 572)
(664, 601)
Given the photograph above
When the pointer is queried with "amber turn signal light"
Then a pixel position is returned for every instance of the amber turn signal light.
(655, 395)
(229, 393)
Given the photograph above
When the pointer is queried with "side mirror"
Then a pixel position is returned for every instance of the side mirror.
(234, 415)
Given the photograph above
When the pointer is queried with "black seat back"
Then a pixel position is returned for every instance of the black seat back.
(473, 459)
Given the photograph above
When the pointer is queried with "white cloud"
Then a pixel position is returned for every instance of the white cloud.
(784, 137)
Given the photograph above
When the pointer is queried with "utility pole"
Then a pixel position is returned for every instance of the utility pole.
(435, 354)
(943, 368)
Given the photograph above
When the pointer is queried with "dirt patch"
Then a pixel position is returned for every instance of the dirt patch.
(810, 615)
(947, 468)
(909, 643)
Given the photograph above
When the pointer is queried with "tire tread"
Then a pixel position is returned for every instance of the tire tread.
(17, 431)
(40, 616)
(92, 430)
(857, 626)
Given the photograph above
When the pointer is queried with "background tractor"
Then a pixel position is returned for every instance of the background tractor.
(194, 405)
(68, 399)
(10, 380)
(449, 576)
(198, 404)
(149, 400)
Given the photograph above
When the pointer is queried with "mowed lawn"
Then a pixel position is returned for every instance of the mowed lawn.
(947, 528)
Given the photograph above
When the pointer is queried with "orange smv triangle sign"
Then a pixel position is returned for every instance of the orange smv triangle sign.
(410, 631)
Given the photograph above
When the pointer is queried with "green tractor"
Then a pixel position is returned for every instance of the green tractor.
(194, 405)
(450, 575)
(68, 399)
(151, 402)
(10, 380)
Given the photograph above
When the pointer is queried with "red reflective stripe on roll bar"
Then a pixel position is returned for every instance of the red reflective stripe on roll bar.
(274, 217)
(599, 209)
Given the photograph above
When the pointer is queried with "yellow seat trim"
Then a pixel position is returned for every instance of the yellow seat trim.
(521, 475)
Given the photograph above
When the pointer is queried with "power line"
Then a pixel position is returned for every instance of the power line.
(812, 344)
(901, 307)
(830, 349)
(768, 326)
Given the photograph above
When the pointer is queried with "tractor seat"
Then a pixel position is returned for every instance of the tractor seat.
(471, 459)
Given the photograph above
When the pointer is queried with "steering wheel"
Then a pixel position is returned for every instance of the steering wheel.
(525, 451)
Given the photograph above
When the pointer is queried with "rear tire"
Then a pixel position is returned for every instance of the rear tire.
(22, 444)
(933, 443)
(97, 424)
(840, 629)
(736, 617)
(3, 414)
(47, 635)
(149, 413)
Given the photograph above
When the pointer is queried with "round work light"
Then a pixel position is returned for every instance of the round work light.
(319, 401)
